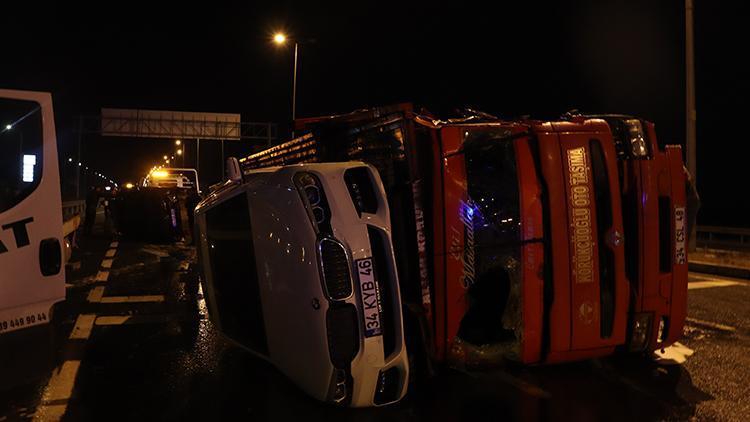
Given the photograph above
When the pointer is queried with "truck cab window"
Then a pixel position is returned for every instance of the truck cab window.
(492, 218)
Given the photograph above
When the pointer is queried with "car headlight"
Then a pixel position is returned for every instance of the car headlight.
(640, 331)
(314, 198)
(638, 147)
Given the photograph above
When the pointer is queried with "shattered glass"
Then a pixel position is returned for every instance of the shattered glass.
(492, 328)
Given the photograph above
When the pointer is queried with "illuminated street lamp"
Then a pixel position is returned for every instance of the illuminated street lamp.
(178, 142)
(165, 158)
(280, 39)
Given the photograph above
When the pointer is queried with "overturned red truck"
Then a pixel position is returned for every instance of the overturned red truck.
(534, 241)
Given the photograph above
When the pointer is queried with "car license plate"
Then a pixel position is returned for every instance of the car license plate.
(370, 294)
(679, 236)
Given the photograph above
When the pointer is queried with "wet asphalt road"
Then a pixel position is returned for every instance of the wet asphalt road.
(150, 353)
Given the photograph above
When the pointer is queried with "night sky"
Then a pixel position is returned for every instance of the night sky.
(512, 59)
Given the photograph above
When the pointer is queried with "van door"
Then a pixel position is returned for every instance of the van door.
(32, 277)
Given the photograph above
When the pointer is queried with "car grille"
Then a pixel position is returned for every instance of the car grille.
(343, 334)
(630, 209)
(335, 269)
(603, 201)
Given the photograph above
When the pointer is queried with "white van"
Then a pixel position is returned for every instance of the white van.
(298, 268)
(32, 274)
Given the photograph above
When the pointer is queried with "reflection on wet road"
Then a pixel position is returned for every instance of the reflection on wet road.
(136, 344)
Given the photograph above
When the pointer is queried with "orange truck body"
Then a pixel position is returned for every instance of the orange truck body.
(585, 256)
(601, 241)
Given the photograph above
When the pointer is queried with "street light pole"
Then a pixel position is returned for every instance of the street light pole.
(294, 89)
(690, 115)
(280, 39)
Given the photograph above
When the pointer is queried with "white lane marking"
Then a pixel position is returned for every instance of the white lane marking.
(59, 389)
(112, 320)
(709, 284)
(132, 299)
(155, 252)
(102, 276)
(95, 295)
(135, 319)
(58, 392)
(82, 329)
(114, 244)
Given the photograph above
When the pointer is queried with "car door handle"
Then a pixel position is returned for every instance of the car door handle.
(50, 256)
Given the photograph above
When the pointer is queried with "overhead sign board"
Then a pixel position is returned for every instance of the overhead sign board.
(170, 124)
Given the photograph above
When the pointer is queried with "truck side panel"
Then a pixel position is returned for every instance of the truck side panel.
(532, 255)
(560, 313)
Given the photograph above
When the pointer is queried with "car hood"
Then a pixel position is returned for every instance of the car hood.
(294, 305)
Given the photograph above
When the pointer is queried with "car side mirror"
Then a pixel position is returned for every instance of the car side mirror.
(234, 172)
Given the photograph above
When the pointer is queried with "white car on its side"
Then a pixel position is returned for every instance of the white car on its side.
(298, 268)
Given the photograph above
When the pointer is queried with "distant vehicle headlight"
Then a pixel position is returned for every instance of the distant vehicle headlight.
(313, 196)
(638, 147)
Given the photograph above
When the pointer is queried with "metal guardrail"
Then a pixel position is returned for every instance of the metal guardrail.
(723, 237)
(73, 208)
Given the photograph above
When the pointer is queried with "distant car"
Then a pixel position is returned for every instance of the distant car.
(174, 178)
(148, 214)
(298, 268)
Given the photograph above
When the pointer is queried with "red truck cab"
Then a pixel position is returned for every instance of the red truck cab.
(554, 241)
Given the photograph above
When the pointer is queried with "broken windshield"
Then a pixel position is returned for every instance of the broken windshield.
(492, 241)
